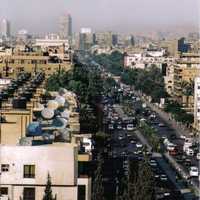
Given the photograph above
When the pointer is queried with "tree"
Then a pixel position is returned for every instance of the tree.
(187, 90)
(140, 182)
(48, 191)
(98, 189)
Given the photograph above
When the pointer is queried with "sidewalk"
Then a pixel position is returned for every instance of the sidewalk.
(177, 126)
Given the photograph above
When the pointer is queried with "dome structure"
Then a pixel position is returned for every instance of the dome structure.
(47, 113)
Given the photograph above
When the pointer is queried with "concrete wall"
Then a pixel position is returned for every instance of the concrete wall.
(59, 160)
(15, 128)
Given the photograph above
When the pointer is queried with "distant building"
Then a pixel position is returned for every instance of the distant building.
(104, 39)
(66, 26)
(144, 59)
(114, 39)
(52, 40)
(5, 28)
(86, 39)
(183, 47)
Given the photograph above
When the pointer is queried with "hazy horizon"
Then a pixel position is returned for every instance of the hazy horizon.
(117, 15)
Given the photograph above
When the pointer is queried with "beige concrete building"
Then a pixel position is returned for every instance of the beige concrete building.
(197, 104)
(12, 64)
(185, 71)
(24, 175)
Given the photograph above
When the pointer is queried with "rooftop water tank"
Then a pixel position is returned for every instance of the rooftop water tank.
(60, 100)
(34, 129)
(52, 104)
(47, 113)
(65, 114)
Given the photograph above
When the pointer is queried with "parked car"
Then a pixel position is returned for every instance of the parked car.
(194, 171)
(139, 145)
(189, 152)
(129, 127)
(198, 156)
(161, 125)
(110, 126)
(171, 146)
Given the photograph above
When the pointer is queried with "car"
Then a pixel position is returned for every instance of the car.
(163, 177)
(198, 156)
(161, 125)
(183, 137)
(132, 141)
(120, 138)
(129, 127)
(188, 162)
(171, 146)
(119, 127)
(139, 145)
(189, 152)
(153, 163)
(194, 172)
(110, 126)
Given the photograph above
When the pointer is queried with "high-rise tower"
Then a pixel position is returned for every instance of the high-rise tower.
(5, 28)
(65, 26)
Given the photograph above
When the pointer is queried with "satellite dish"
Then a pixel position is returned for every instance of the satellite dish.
(60, 100)
(52, 104)
(47, 113)
(65, 114)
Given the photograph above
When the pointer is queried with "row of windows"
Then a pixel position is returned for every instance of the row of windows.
(28, 61)
(28, 193)
(29, 170)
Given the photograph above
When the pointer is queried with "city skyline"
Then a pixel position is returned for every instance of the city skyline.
(101, 15)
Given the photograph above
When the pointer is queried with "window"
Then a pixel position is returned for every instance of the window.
(81, 192)
(3, 190)
(29, 171)
(29, 194)
(5, 167)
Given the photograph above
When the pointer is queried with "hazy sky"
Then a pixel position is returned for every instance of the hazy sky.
(118, 15)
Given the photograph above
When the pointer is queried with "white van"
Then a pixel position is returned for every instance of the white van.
(194, 172)
(189, 152)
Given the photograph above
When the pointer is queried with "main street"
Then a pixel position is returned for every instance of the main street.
(127, 144)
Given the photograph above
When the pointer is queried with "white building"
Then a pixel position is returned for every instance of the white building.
(52, 40)
(197, 103)
(5, 28)
(22, 34)
(141, 60)
(86, 30)
(24, 171)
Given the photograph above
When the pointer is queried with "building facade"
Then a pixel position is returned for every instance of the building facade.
(197, 104)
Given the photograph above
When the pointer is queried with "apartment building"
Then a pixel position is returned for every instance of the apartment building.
(24, 171)
(142, 60)
(197, 104)
(185, 71)
(42, 140)
(47, 56)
